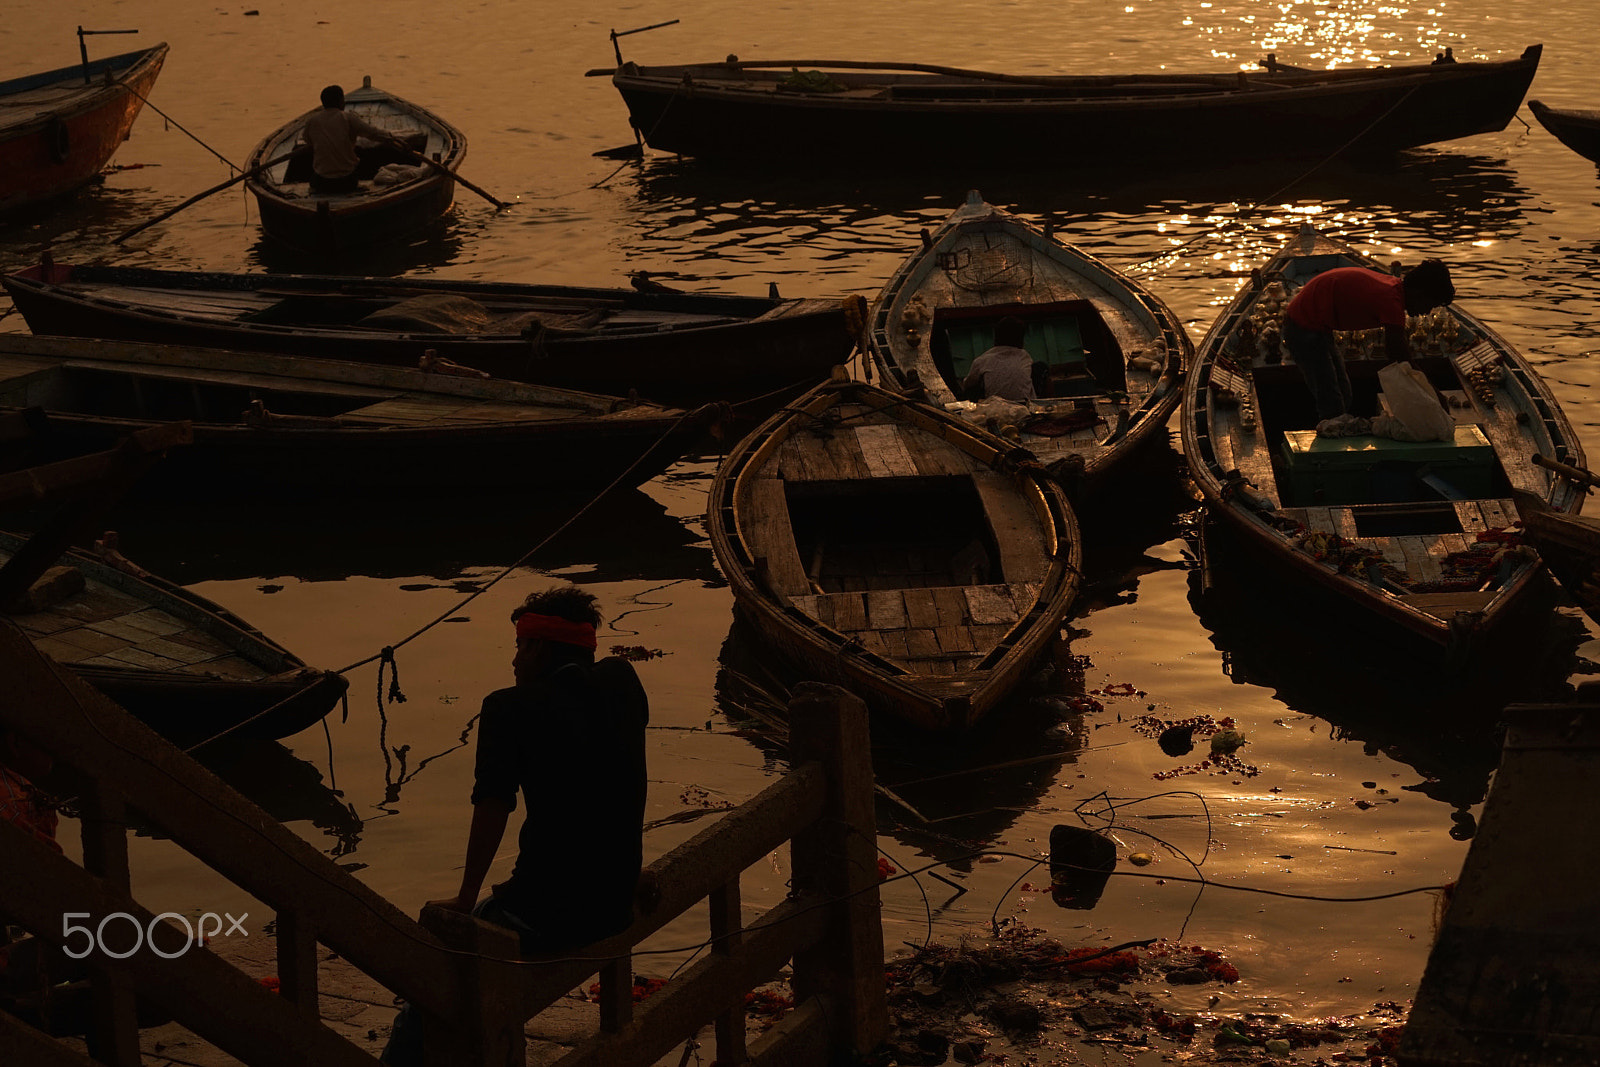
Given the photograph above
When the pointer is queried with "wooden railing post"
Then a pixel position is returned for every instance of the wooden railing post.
(114, 1029)
(487, 1030)
(297, 963)
(727, 934)
(836, 858)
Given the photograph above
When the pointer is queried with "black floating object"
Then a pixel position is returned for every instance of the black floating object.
(1081, 862)
(1177, 740)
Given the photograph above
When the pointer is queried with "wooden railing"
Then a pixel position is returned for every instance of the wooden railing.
(462, 975)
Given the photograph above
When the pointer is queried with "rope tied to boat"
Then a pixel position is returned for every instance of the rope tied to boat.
(386, 658)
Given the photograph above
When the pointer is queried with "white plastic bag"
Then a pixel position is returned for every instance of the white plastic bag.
(1413, 401)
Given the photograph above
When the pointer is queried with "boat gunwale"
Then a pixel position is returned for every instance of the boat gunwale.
(1205, 468)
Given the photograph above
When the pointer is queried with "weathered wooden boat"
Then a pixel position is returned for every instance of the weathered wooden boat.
(264, 421)
(896, 550)
(1579, 130)
(1108, 353)
(1569, 543)
(851, 114)
(380, 209)
(59, 128)
(187, 667)
(1421, 534)
(681, 348)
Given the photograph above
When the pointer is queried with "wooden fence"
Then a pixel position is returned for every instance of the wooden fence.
(461, 974)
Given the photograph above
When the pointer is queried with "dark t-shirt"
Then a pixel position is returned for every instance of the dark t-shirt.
(574, 744)
(1349, 298)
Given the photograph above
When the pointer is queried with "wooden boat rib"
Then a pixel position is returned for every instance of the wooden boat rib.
(1420, 534)
(895, 550)
(1115, 354)
(265, 421)
(59, 128)
(1578, 130)
(682, 348)
(291, 212)
(187, 667)
(856, 112)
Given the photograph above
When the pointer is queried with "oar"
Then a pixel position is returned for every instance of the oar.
(436, 165)
(235, 180)
(1585, 478)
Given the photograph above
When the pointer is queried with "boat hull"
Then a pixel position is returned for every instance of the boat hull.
(939, 655)
(56, 151)
(715, 111)
(1578, 130)
(1111, 354)
(1418, 536)
(296, 215)
(747, 346)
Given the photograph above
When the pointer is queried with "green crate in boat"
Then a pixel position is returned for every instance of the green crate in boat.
(1367, 470)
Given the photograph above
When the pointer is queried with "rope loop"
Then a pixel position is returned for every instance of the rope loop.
(386, 658)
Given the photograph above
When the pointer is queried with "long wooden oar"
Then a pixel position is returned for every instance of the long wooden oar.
(1583, 477)
(441, 168)
(235, 180)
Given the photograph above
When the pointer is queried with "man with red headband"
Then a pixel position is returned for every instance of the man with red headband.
(570, 736)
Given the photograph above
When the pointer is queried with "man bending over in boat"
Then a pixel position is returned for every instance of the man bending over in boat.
(570, 736)
(1006, 370)
(1355, 298)
(331, 134)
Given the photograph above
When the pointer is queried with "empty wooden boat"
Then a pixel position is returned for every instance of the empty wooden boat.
(291, 424)
(896, 550)
(398, 193)
(59, 128)
(1421, 534)
(1579, 130)
(853, 114)
(681, 348)
(187, 667)
(1109, 355)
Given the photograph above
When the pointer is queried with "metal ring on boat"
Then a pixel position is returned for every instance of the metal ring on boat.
(60, 139)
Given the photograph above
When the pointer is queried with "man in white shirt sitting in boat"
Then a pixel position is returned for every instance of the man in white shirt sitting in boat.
(1006, 370)
(331, 134)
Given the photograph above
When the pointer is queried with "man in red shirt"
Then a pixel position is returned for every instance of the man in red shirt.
(1355, 298)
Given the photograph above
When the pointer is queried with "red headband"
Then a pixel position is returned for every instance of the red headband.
(554, 628)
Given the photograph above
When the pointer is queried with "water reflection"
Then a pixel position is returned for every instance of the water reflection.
(436, 246)
(1323, 660)
(447, 538)
(948, 801)
(288, 788)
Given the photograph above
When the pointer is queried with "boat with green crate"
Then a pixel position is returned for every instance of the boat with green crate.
(1423, 533)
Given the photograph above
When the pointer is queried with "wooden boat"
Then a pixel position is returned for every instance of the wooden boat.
(1578, 130)
(378, 211)
(1112, 354)
(1419, 534)
(1569, 544)
(59, 128)
(303, 425)
(896, 550)
(187, 667)
(852, 114)
(681, 348)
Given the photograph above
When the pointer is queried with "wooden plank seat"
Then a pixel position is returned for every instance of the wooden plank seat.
(939, 630)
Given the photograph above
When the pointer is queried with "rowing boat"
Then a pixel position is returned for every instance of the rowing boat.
(59, 128)
(896, 550)
(1109, 354)
(843, 113)
(291, 424)
(186, 666)
(680, 348)
(1578, 130)
(380, 209)
(1422, 535)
